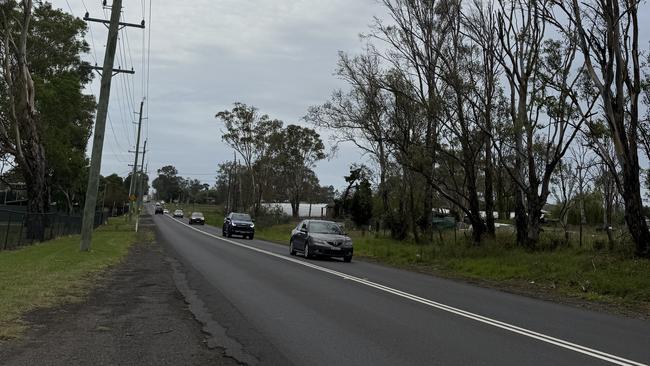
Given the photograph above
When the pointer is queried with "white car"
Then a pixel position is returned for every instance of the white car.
(166, 211)
(178, 213)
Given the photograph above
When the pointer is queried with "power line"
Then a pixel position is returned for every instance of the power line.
(124, 112)
(148, 65)
(128, 45)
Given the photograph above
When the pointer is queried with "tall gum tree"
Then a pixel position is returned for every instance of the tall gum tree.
(20, 126)
(608, 36)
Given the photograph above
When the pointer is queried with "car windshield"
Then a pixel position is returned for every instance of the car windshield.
(241, 217)
(324, 227)
(197, 214)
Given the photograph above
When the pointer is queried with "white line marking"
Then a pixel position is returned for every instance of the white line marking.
(466, 314)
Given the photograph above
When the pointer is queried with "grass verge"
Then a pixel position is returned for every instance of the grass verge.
(55, 272)
(585, 274)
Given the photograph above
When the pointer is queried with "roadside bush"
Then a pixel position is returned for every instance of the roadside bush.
(599, 244)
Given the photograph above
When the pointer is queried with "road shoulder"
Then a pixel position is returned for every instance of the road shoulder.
(135, 316)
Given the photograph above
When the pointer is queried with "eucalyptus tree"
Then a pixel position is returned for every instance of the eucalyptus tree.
(547, 105)
(248, 132)
(411, 41)
(479, 25)
(45, 119)
(608, 36)
(360, 116)
(295, 153)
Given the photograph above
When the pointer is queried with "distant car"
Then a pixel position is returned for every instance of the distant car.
(158, 210)
(320, 238)
(197, 218)
(178, 213)
(165, 211)
(238, 224)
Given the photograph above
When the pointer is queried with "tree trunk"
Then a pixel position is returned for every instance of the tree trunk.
(427, 214)
(634, 217)
(535, 204)
(532, 237)
(414, 225)
(489, 191)
(520, 217)
(607, 213)
(37, 197)
(478, 228)
(565, 226)
(382, 185)
(295, 208)
(519, 121)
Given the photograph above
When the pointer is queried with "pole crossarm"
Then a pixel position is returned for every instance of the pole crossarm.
(107, 22)
(99, 70)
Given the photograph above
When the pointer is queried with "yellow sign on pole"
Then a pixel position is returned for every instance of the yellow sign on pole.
(132, 198)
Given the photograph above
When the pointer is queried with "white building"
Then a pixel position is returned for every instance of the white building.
(317, 210)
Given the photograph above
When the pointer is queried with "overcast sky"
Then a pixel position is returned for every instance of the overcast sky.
(278, 55)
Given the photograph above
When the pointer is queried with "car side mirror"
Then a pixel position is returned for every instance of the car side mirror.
(303, 230)
(252, 220)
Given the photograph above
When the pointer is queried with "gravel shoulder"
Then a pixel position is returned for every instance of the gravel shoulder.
(136, 316)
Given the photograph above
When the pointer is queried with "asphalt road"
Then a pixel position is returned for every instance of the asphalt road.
(280, 309)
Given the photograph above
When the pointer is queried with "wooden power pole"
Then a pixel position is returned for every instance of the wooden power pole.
(140, 188)
(134, 184)
(100, 123)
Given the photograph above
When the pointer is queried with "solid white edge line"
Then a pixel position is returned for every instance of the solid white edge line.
(466, 314)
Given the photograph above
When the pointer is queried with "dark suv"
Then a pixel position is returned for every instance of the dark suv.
(238, 224)
(159, 210)
(319, 237)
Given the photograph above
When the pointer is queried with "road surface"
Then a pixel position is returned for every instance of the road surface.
(278, 309)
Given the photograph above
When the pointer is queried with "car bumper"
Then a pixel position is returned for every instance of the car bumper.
(241, 230)
(197, 222)
(330, 251)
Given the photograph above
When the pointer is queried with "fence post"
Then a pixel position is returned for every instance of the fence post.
(7, 233)
(51, 227)
(20, 235)
(55, 225)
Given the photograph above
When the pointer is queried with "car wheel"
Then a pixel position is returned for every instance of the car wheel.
(223, 231)
(228, 233)
(291, 250)
(307, 254)
(347, 258)
(251, 236)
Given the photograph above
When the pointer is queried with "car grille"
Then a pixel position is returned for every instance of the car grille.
(335, 243)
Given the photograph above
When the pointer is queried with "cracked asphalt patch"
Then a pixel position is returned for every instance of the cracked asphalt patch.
(136, 316)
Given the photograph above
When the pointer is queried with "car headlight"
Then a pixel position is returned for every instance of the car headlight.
(233, 224)
(252, 225)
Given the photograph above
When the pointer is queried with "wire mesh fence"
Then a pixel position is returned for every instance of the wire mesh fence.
(19, 228)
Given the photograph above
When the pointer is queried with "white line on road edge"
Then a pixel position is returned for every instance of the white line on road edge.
(493, 322)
